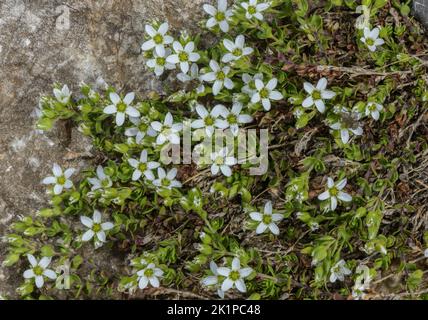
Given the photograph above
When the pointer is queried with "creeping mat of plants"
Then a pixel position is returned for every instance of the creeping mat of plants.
(289, 160)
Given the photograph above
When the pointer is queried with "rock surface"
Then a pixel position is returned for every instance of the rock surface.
(47, 41)
(420, 9)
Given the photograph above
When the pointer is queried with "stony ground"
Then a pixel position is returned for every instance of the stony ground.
(47, 41)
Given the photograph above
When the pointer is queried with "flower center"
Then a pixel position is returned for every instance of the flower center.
(234, 275)
(370, 41)
(38, 271)
(142, 167)
(237, 52)
(183, 56)
(220, 16)
(333, 191)
(252, 9)
(96, 227)
(165, 182)
(264, 93)
(221, 75)
(148, 272)
(267, 219)
(316, 95)
(158, 39)
(166, 131)
(219, 160)
(121, 107)
(160, 61)
(61, 180)
(105, 182)
(209, 121)
(231, 118)
(372, 107)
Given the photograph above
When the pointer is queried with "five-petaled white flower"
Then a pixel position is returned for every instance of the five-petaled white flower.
(339, 271)
(334, 192)
(158, 39)
(193, 75)
(236, 49)
(208, 120)
(373, 109)
(167, 180)
(250, 86)
(254, 9)
(371, 38)
(219, 15)
(60, 179)
(267, 219)
(266, 92)
(149, 274)
(234, 276)
(143, 166)
(213, 279)
(96, 227)
(222, 162)
(233, 118)
(121, 107)
(159, 62)
(140, 129)
(346, 130)
(101, 181)
(168, 131)
(62, 95)
(183, 56)
(218, 75)
(317, 95)
(39, 270)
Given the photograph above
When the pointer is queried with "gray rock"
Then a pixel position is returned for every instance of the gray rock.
(46, 41)
(420, 10)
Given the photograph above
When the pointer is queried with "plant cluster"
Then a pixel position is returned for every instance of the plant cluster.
(342, 88)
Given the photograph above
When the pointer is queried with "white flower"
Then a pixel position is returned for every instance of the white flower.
(220, 15)
(62, 95)
(96, 227)
(254, 9)
(168, 131)
(371, 38)
(339, 271)
(39, 270)
(213, 279)
(236, 50)
(219, 76)
(222, 162)
(101, 181)
(183, 56)
(373, 109)
(167, 180)
(208, 120)
(60, 179)
(334, 192)
(139, 131)
(234, 276)
(121, 107)
(233, 118)
(345, 130)
(192, 76)
(159, 62)
(158, 39)
(143, 167)
(317, 95)
(362, 282)
(267, 219)
(266, 92)
(250, 86)
(149, 274)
